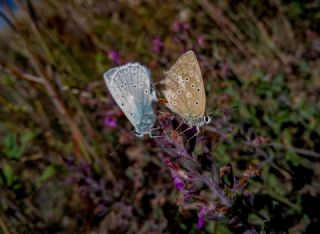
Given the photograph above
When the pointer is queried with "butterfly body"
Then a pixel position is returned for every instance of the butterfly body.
(184, 91)
(191, 120)
(131, 88)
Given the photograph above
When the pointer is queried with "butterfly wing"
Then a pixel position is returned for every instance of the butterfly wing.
(119, 89)
(183, 87)
(144, 95)
(127, 85)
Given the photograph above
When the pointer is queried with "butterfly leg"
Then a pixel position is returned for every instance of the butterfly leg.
(194, 135)
(154, 136)
(176, 129)
(187, 129)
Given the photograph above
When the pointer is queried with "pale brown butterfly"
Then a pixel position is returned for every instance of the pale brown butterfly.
(184, 92)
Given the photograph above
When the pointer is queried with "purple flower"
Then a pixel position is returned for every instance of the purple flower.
(71, 180)
(201, 41)
(114, 56)
(178, 183)
(179, 26)
(225, 69)
(100, 210)
(157, 45)
(110, 121)
(201, 216)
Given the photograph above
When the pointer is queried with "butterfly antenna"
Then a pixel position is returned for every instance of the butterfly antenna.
(119, 145)
(204, 131)
(212, 113)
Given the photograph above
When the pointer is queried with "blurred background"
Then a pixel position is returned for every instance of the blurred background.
(67, 162)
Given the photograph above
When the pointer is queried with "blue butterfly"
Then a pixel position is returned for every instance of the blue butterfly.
(131, 88)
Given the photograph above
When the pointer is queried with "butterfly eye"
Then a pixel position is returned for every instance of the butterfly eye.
(138, 134)
(207, 119)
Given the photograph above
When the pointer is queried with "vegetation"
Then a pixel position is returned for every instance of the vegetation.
(69, 162)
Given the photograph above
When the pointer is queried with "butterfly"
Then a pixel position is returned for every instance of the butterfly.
(184, 92)
(131, 87)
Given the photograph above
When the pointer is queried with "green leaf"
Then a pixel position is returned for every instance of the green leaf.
(8, 174)
(222, 229)
(221, 153)
(183, 226)
(47, 173)
(27, 137)
(101, 62)
(14, 148)
(11, 149)
(293, 158)
(286, 136)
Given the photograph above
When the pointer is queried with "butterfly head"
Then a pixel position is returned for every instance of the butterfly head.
(207, 119)
(202, 121)
(198, 121)
(139, 134)
(141, 131)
